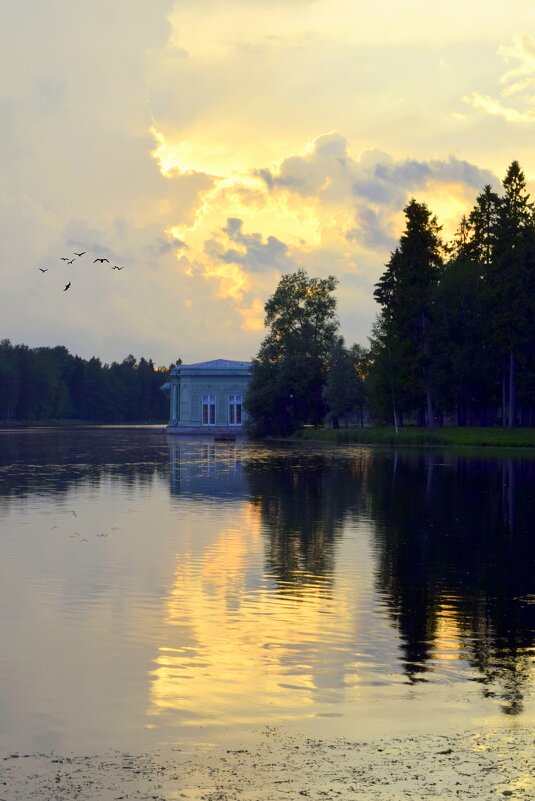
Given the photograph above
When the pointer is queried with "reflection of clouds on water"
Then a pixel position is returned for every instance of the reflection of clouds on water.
(260, 582)
(436, 575)
(237, 651)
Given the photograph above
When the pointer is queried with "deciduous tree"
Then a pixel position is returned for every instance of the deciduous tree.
(289, 372)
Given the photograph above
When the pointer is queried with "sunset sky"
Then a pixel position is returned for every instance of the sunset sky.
(209, 147)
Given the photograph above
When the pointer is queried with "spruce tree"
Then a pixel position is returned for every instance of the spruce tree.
(511, 280)
(483, 221)
(405, 292)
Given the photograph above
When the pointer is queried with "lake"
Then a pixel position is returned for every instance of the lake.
(155, 589)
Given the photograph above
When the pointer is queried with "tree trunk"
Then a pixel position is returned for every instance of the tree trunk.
(429, 407)
(427, 387)
(512, 390)
(394, 409)
(504, 396)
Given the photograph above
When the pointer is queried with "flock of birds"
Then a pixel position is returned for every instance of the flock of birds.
(79, 255)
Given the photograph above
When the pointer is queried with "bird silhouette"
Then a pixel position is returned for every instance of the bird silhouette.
(70, 262)
(101, 260)
(80, 254)
(117, 268)
(68, 285)
(64, 258)
(43, 270)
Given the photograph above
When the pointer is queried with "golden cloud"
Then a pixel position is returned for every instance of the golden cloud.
(253, 317)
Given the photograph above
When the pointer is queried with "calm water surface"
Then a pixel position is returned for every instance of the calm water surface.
(153, 590)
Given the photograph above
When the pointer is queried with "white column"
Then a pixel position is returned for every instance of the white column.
(173, 401)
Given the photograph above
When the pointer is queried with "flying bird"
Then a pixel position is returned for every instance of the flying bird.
(117, 268)
(70, 262)
(101, 260)
(80, 254)
(64, 258)
(68, 285)
(43, 270)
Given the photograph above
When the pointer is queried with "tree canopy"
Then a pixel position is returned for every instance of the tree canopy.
(289, 372)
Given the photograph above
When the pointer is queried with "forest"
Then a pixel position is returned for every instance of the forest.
(44, 384)
(453, 342)
(455, 332)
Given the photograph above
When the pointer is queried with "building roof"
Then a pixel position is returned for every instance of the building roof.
(215, 364)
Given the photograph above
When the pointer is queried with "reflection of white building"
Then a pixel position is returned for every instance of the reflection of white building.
(207, 397)
(207, 470)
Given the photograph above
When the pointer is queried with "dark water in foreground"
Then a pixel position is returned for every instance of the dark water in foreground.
(152, 590)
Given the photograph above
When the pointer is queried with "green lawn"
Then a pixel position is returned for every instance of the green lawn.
(488, 437)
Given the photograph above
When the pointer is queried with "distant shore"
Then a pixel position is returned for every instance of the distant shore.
(422, 437)
(14, 424)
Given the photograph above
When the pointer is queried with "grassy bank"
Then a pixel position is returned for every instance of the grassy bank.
(488, 437)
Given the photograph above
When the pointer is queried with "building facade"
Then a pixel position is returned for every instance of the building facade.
(207, 397)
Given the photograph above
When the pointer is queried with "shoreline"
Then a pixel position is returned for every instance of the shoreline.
(519, 438)
(278, 764)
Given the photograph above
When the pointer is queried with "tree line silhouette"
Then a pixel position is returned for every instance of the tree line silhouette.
(456, 331)
(44, 384)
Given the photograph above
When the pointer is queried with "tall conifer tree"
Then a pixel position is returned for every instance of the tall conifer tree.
(511, 279)
(483, 221)
(405, 291)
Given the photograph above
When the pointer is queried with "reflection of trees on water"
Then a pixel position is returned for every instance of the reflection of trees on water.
(458, 533)
(453, 547)
(452, 534)
(55, 461)
(304, 500)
